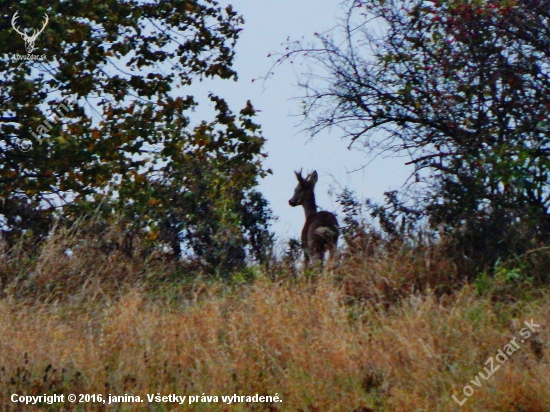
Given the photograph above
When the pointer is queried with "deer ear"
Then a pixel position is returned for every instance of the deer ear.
(313, 177)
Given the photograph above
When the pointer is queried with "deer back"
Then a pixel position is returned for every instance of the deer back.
(320, 232)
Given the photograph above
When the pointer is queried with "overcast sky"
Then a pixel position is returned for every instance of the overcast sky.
(267, 25)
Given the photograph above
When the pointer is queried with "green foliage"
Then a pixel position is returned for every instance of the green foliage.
(209, 193)
(124, 144)
(396, 219)
(351, 209)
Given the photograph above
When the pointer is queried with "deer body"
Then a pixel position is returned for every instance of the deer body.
(320, 232)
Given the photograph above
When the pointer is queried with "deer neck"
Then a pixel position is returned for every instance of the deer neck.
(309, 205)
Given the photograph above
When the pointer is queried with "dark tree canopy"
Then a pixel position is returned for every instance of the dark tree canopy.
(462, 87)
(125, 67)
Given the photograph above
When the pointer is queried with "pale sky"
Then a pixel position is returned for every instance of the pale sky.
(267, 25)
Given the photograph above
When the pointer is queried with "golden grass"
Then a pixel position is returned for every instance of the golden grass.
(372, 333)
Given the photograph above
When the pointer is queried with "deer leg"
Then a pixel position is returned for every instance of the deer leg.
(306, 257)
(320, 255)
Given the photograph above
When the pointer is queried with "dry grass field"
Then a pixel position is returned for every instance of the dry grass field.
(396, 329)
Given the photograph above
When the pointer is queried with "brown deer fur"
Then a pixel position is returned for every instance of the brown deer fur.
(320, 232)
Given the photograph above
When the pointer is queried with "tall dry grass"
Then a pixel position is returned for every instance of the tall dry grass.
(394, 329)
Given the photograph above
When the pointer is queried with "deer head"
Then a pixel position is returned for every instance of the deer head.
(29, 40)
(303, 193)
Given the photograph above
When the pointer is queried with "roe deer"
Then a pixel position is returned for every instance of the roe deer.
(320, 232)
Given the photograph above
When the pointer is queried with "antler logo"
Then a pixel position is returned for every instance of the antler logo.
(29, 40)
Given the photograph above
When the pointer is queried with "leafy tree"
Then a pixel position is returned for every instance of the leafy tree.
(213, 209)
(460, 86)
(125, 137)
